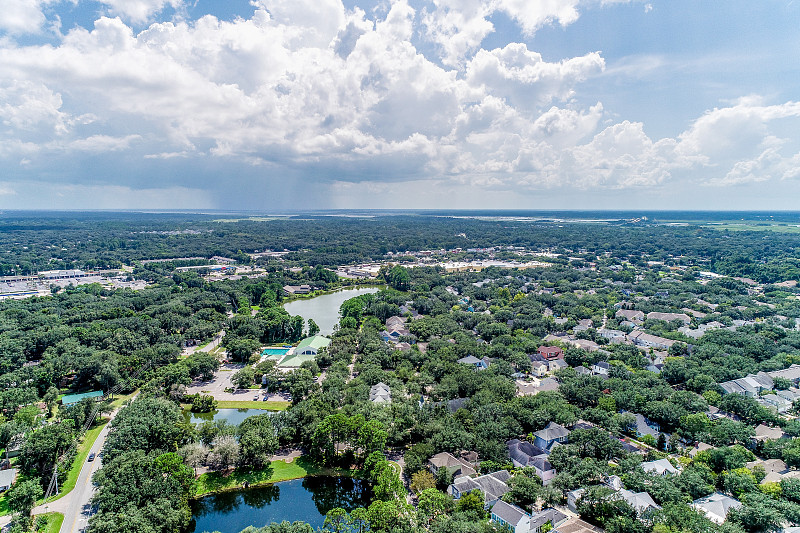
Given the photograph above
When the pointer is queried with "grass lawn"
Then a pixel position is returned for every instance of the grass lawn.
(276, 471)
(269, 406)
(54, 521)
(119, 399)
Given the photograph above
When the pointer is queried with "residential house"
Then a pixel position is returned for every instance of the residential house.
(764, 433)
(523, 453)
(395, 322)
(519, 521)
(380, 393)
(669, 317)
(642, 502)
(551, 352)
(554, 517)
(698, 448)
(775, 470)
(660, 467)
(613, 335)
(645, 426)
(550, 436)
(479, 364)
(601, 368)
(753, 384)
(557, 364)
(645, 340)
(778, 403)
(630, 315)
(543, 469)
(534, 386)
(511, 517)
(7, 478)
(493, 486)
(457, 466)
(539, 368)
(716, 506)
(583, 371)
(584, 344)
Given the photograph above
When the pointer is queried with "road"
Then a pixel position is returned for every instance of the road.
(75, 505)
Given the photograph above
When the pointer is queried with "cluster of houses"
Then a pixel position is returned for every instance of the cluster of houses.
(395, 329)
(761, 387)
(493, 486)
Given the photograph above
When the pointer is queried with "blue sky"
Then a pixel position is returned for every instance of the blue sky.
(399, 104)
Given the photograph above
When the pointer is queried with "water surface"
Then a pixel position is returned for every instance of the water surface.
(307, 499)
(324, 310)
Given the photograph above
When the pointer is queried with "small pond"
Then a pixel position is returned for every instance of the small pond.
(233, 417)
(307, 499)
(324, 310)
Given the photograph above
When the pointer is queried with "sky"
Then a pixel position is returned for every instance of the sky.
(437, 104)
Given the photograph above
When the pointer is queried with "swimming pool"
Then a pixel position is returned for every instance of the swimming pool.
(275, 351)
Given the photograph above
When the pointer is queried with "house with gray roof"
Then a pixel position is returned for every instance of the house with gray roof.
(551, 435)
(479, 364)
(660, 467)
(640, 501)
(646, 340)
(519, 521)
(764, 433)
(716, 506)
(380, 393)
(510, 516)
(493, 486)
(630, 315)
(645, 426)
(669, 317)
(524, 454)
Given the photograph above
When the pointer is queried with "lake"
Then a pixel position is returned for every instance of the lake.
(307, 499)
(324, 310)
(233, 417)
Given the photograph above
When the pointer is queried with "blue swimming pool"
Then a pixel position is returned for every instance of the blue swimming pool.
(275, 351)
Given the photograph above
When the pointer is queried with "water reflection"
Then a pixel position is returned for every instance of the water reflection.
(307, 499)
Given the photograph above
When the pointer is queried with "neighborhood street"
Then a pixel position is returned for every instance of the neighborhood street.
(75, 505)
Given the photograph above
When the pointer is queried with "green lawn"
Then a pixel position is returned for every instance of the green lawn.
(54, 521)
(269, 406)
(120, 399)
(276, 471)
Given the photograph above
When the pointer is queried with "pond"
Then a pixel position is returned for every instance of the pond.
(307, 499)
(324, 310)
(233, 417)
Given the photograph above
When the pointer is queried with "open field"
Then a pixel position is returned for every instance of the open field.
(778, 227)
(276, 471)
